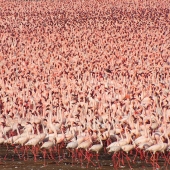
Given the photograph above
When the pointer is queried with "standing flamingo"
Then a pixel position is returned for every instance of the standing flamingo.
(72, 145)
(47, 146)
(96, 148)
(85, 145)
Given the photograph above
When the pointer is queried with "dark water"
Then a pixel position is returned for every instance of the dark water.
(12, 162)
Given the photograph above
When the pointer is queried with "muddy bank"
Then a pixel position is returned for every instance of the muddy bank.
(10, 160)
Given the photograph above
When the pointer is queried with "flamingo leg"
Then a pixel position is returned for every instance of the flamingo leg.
(17, 152)
(72, 157)
(97, 158)
(59, 147)
(127, 159)
(44, 156)
(153, 160)
(146, 157)
(25, 151)
(59, 155)
(51, 154)
(33, 152)
(80, 154)
(88, 158)
(119, 158)
(156, 163)
(136, 154)
(7, 148)
(76, 154)
(37, 149)
(141, 155)
(113, 160)
(166, 159)
(122, 160)
(116, 160)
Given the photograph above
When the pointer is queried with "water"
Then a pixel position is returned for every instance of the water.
(13, 162)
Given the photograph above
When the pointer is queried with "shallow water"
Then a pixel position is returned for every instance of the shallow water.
(12, 161)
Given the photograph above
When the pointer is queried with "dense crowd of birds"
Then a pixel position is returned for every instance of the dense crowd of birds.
(86, 76)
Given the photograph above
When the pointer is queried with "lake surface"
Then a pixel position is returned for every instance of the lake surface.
(12, 162)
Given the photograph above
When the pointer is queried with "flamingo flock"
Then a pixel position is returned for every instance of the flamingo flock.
(87, 77)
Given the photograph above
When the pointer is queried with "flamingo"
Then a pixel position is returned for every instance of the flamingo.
(60, 141)
(142, 147)
(72, 145)
(74, 85)
(159, 147)
(33, 142)
(126, 148)
(85, 145)
(116, 153)
(121, 142)
(13, 138)
(22, 140)
(96, 148)
(47, 146)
